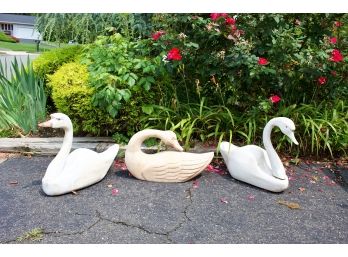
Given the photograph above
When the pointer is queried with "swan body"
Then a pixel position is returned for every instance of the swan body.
(168, 166)
(256, 166)
(72, 171)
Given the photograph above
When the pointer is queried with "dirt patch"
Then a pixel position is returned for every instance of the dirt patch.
(9, 155)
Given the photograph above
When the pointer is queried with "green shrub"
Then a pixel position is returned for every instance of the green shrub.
(5, 38)
(72, 95)
(50, 61)
(238, 57)
(119, 70)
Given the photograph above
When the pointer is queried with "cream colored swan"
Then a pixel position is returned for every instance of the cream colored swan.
(71, 171)
(256, 166)
(167, 166)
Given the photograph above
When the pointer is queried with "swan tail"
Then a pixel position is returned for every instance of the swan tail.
(112, 151)
(227, 147)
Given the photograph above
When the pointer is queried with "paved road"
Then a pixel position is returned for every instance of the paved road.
(214, 208)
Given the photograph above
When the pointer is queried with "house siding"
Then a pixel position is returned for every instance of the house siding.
(25, 32)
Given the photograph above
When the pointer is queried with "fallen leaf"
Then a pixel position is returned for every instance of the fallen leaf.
(291, 178)
(291, 205)
(195, 184)
(74, 192)
(295, 161)
(301, 189)
(315, 178)
(286, 164)
(330, 183)
(114, 191)
(251, 197)
(14, 182)
(223, 200)
(109, 186)
(213, 169)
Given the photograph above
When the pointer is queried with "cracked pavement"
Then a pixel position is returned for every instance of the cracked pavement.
(213, 208)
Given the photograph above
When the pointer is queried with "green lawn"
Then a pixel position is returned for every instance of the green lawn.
(28, 47)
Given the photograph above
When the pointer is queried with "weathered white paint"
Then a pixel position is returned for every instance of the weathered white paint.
(257, 166)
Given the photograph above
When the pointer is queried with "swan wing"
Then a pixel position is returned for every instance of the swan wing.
(176, 166)
(84, 167)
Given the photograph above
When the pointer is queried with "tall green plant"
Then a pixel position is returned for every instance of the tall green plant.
(85, 27)
(22, 98)
(191, 121)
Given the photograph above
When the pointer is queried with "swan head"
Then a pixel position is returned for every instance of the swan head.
(169, 138)
(287, 126)
(58, 120)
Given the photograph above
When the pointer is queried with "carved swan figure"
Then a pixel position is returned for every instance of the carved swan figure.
(167, 166)
(256, 166)
(71, 171)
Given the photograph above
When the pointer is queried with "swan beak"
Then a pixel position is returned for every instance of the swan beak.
(46, 124)
(292, 138)
(177, 146)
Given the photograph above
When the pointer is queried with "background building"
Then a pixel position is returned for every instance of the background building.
(19, 26)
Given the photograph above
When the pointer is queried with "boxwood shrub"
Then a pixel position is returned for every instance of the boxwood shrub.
(72, 95)
(48, 62)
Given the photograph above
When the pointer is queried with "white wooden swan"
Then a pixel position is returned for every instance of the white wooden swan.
(167, 166)
(256, 166)
(71, 171)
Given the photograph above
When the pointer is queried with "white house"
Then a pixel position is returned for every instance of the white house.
(19, 26)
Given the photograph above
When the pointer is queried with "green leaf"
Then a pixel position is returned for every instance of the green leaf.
(276, 18)
(150, 79)
(131, 81)
(125, 93)
(147, 86)
(148, 109)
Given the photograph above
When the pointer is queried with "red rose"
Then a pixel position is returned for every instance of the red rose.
(233, 28)
(333, 40)
(174, 54)
(157, 35)
(338, 23)
(230, 21)
(275, 99)
(336, 56)
(322, 80)
(215, 16)
(262, 61)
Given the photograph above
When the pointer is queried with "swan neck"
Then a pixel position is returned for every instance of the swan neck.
(276, 164)
(136, 141)
(66, 146)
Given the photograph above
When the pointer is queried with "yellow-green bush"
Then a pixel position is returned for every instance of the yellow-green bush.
(72, 95)
(48, 62)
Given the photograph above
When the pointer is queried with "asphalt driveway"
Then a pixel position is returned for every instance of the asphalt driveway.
(213, 208)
